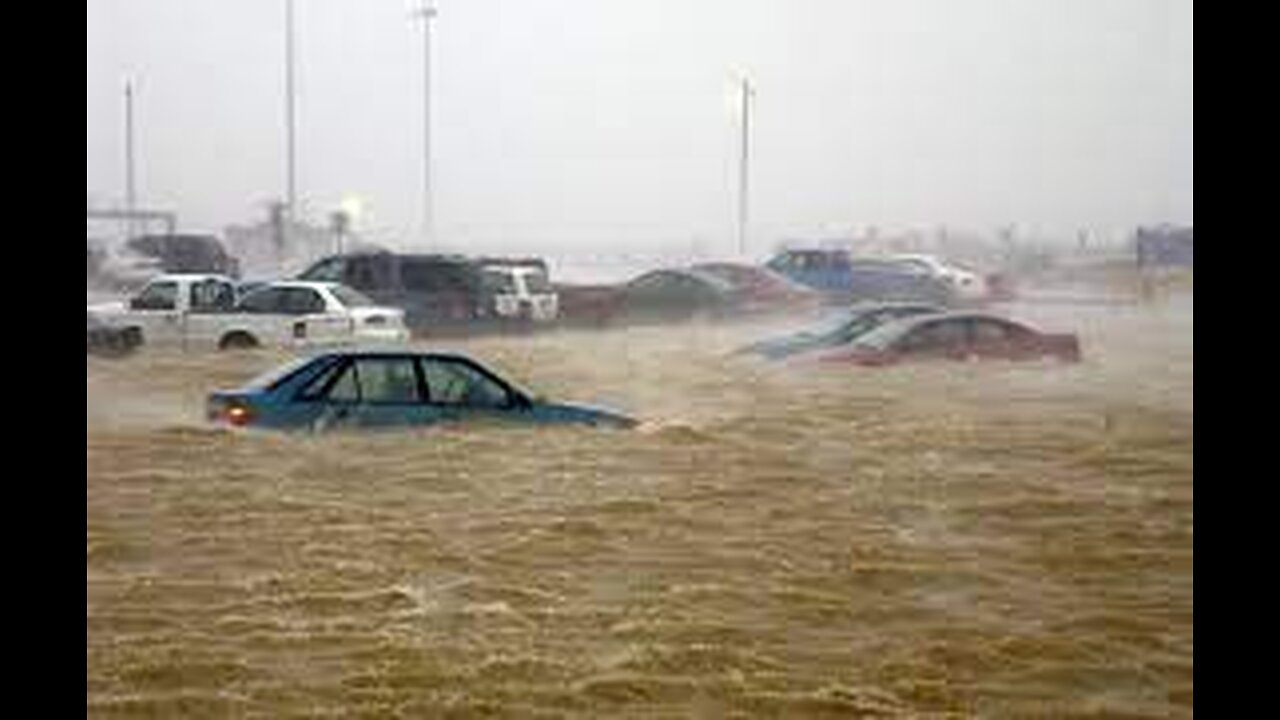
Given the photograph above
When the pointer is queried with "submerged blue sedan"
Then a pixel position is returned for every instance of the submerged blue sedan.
(843, 329)
(363, 389)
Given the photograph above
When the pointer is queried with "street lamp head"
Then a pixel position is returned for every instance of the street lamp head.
(352, 206)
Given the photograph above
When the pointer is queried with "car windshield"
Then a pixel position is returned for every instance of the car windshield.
(831, 326)
(839, 323)
(881, 337)
(538, 283)
(351, 298)
(500, 281)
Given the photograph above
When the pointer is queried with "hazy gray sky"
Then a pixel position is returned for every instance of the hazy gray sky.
(610, 123)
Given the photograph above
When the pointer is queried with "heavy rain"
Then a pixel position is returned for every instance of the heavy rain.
(623, 359)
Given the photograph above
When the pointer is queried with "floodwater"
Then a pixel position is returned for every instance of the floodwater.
(780, 540)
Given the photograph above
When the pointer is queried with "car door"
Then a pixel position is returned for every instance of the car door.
(155, 311)
(374, 392)
(207, 300)
(313, 318)
(462, 390)
(266, 316)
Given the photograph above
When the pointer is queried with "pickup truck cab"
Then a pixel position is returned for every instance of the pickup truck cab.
(204, 311)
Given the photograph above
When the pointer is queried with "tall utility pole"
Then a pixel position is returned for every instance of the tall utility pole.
(426, 14)
(130, 180)
(743, 166)
(290, 118)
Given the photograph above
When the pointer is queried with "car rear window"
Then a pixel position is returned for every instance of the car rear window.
(273, 377)
(351, 298)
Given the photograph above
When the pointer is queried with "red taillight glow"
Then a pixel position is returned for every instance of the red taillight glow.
(239, 415)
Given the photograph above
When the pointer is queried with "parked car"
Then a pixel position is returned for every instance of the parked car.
(956, 336)
(968, 285)
(199, 311)
(521, 289)
(385, 389)
(186, 253)
(844, 328)
(444, 293)
(1165, 245)
(667, 295)
(759, 289)
(109, 340)
(843, 278)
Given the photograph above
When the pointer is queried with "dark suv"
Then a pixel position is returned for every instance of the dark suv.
(187, 254)
(435, 291)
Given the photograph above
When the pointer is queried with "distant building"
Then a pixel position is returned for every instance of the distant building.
(1164, 245)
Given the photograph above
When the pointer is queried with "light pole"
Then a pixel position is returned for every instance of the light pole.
(743, 166)
(426, 14)
(130, 180)
(290, 118)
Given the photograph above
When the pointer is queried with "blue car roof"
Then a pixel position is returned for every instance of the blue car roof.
(376, 351)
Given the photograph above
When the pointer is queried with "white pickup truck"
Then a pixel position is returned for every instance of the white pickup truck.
(203, 311)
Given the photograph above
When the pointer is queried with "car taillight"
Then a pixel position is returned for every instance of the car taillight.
(238, 415)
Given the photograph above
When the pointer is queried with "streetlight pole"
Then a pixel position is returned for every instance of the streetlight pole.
(426, 14)
(130, 180)
(743, 166)
(291, 176)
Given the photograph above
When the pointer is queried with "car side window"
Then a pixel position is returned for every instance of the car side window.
(327, 271)
(421, 276)
(934, 336)
(320, 386)
(387, 381)
(212, 296)
(265, 301)
(302, 301)
(375, 381)
(347, 388)
(368, 273)
(157, 296)
(989, 331)
(452, 382)
(656, 285)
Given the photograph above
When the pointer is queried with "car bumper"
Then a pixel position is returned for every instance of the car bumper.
(382, 335)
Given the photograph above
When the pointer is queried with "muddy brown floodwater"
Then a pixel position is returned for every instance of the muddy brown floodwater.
(781, 540)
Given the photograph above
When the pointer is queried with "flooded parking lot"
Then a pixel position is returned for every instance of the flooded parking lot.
(778, 540)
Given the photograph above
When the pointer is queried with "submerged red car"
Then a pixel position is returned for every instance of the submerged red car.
(956, 336)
